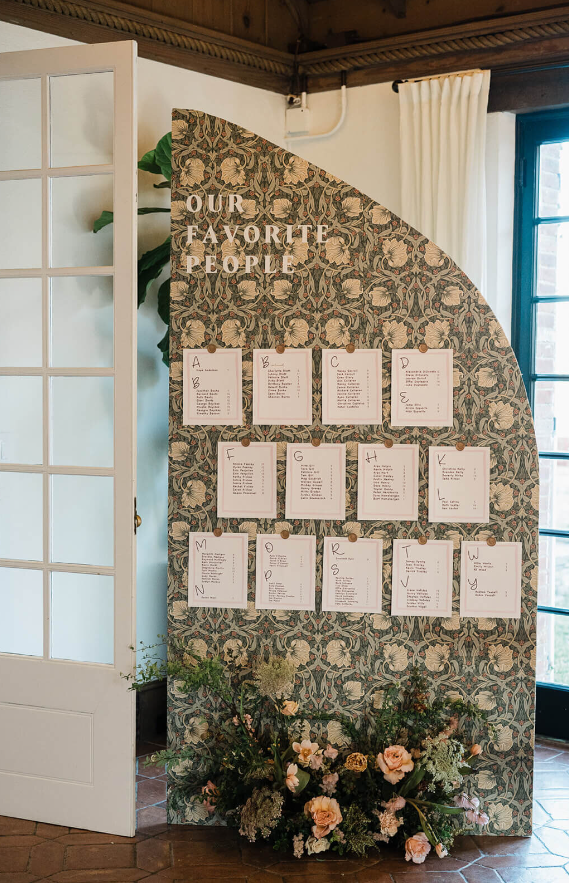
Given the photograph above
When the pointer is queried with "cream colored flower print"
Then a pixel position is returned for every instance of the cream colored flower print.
(337, 332)
(380, 216)
(232, 172)
(497, 335)
(436, 657)
(196, 730)
(232, 333)
(296, 170)
(194, 495)
(436, 333)
(377, 699)
(486, 780)
(337, 250)
(194, 810)
(281, 455)
(176, 370)
(250, 528)
(501, 496)
(192, 173)
(247, 371)
(282, 289)
(352, 527)
(501, 415)
(252, 612)
(178, 210)
(299, 651)
(451, 296)
(353, 690)
(535, 496)
(504, 738)
(249, 207)
(281, 208)
(196, 249)
(352, 206)
(395, 250)
(178, 289)
(380, 621)
(500, 657)
(434, 257)
(451, 624)
(485, 700)
(351, 288)
(193, 333)
(299, 252)
(396, 657)
(233, 250)
(395, 333)
(486, 377)
(338, 654)
(179, 609)
(501, 818)
(179, 129)
(296, 333)
(380, 296)
(247, 289)
(485, 624)
(351, 450)
(457, 376)
(179, 450)
(336, 735)
(198, 647)
(235, 652)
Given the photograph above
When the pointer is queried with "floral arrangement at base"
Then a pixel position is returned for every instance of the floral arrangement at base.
(399, 777)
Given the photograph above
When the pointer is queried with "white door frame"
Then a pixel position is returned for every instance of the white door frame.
(89, 782)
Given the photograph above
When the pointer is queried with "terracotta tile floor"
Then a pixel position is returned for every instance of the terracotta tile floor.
(32, 852)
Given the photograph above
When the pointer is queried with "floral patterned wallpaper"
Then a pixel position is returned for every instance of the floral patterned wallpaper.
(378, 283)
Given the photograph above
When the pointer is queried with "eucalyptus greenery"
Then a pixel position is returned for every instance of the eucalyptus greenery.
(158, 162)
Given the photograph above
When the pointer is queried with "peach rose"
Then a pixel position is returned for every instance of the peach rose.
(291, 780)
(289, 708)
(305, 750)
(331, 752)
(417, 848)
(394, 804)
(325, 812)
(441, 850)
(394, 762)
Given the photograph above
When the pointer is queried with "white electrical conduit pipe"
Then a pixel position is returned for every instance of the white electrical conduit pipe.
(344, 98)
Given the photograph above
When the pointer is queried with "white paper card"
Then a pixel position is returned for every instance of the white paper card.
(286, 572)
(316, 481)
(212, 388)
(217, 570)
(247, 480)
(352, 575)
(388, 483)
(422, 578)
(491, 580)
(459, 485)
(351, 387)
(282, 387)
(421, 388)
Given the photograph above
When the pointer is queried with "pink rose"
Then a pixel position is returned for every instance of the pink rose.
(417, 848)
(394, 762)
(315, 761)
(477, 818)
(291, 780)
(325, 812)
(466, 802)
(211, 792)
(289, 708)
(394, 804)
(329, 783)
(331, 752)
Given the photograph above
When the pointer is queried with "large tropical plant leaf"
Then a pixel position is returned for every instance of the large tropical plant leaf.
(164, 301)
(164, 347)
(106, 218)
(163, 155)
(150, 265)
(148, 163)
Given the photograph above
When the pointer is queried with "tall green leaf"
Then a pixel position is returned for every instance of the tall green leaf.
(163, 155)
(164, 301)
(164, 347)
(103, 220)
(150, 266)
(148, 163)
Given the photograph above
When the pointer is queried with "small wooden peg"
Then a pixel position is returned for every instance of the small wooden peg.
(388, 443)
(217, 532)
(280, 348)
(460, 446)
(423, 348)
(316, 442)
(491, 541)
(350, 348)
(211, 347)
(352, 537)
(285, 534)
(422, 541)
(245, 442)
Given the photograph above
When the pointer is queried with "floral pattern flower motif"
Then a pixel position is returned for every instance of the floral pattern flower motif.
(179, 450)
(196, 730)
(380, 296)
(299, 651)
(193, 333)
(434, 255)
(501, 817)
(352, 206)
(338, 654)
(247, 289)
(380, 216)
(178, 289)
(487, 377)
(337, 332)
(295, 170)
(395, 333)
(501, 496)
(396, 657)
(351, 288)
(179, 129)
(249, 209)
(496, 334)
(500, 657)
(194, 494)
(296, 332)
(282, 208)
(178, 209)
(282, 289)
(234, 651)
(353, 690)
(436, 333)
(504, 738)
(501, 414)
(437, 657)
(232, 333)
(192, 173)
(337, 250)
(232, 172)
(395, 250)
(451, 296)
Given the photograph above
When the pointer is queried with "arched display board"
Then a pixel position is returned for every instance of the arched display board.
(377, 283)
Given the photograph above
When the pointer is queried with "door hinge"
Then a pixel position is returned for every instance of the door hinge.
(137, 518)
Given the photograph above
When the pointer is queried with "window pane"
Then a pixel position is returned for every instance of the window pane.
(82, 617)
(82, 519)
(21, 516)
(82, 421)
(20, 323)
(81, 107)
(554, 179)
(20, 224)
(553, 648)
(21, 420)
(82, 322)
(554, 494)
(553, 260)
(20, 112)
(21, 611)
(553, 590)
(552, 334)
(551, 415)
(75, 204)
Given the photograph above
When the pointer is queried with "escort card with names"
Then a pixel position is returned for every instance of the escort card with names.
(212, 388)
(422, 578)
(286, 572)
(459, 485)
(282, 387)
(352, 575)
(316, 481)
(491, 580)
(388, 482)
(217, 570)
(421, 388)
(246, 480)
(351, 387)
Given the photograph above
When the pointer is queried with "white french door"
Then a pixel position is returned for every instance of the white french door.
(67, 435)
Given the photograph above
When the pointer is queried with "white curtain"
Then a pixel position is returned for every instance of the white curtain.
(443, 139)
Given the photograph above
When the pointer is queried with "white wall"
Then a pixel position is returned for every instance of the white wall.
(365, 152)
